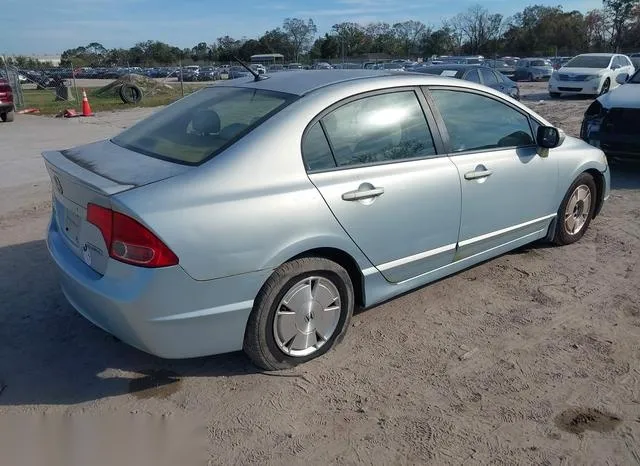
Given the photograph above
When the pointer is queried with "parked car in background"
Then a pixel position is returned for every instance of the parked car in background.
(533, 69)
(208, 73)
(7, 110)
(502, 66)
(477, 74)
(322, 66)
(390, 66)
(590, 74)
(559, 62)
(612, 121)
(473, 60)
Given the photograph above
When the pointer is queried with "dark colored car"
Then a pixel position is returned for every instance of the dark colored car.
(7, 112)
(612, 121)
(208, 73)
(533, 69)
(502, 66)
(477, 74)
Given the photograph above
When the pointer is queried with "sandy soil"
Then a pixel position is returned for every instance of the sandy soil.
(531, 358)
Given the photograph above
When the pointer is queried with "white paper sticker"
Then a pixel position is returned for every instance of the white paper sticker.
(449, 73)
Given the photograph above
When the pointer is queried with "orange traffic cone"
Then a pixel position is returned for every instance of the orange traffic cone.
(86, 108)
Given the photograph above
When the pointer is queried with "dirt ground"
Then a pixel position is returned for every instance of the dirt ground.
(531, 358)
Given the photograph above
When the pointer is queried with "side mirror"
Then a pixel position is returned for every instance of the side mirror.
(549, 137)
(622, 78)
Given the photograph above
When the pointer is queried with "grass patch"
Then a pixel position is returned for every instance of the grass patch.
(44, 100)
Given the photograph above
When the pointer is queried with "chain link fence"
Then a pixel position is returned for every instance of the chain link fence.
(12, 75)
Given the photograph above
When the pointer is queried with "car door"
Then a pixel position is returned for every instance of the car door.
(374, 160)
(509, 192)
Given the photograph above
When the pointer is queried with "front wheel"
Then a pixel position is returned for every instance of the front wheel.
(7, 116)
(576, 210)
(301, 312)
(605, 87)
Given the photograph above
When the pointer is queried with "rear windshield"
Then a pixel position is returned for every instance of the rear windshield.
(539, 63)
(589, 62)
(203, 124)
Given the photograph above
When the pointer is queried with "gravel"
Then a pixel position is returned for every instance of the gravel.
(529, 358)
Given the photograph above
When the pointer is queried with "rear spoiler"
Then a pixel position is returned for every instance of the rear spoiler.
(56, 161)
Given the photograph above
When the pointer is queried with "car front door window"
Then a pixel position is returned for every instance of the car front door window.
(476, 122)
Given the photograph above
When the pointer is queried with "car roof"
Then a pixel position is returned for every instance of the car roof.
(304, 81)
(597, 54)
(453, 66)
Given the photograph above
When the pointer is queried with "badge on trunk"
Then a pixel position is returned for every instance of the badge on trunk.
(58, 184)
(86, 254)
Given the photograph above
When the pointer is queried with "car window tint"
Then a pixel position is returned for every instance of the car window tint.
(473, 76)
(379, 128)
(476, 122)
(316, 151)
(202, 124)
(488, 77)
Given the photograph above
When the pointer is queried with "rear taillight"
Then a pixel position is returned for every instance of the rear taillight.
(128, 241)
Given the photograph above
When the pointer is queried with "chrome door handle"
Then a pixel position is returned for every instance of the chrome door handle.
(474, 175)
(365, 194)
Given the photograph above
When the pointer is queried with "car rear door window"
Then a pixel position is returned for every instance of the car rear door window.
(378, 129)
(316, 151)
(473, 76)
(488, 77)
(477, 122)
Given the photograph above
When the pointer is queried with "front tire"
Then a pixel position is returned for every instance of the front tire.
(605, 87)
(300, 313)
(7, 117)
(576, 210)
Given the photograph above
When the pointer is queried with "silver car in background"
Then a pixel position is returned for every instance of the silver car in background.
(256, 214)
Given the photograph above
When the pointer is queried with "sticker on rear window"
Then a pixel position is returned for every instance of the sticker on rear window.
(450, 73)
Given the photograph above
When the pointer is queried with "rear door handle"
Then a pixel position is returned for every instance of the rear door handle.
(474, 175)
(362, 194)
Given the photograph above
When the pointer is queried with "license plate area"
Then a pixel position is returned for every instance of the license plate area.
(71, 223)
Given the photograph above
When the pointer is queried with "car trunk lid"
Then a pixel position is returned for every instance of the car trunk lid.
(92, 174)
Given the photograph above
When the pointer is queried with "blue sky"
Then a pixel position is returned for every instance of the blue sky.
(51, 26)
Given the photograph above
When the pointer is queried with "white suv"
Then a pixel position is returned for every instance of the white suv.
(590, 73)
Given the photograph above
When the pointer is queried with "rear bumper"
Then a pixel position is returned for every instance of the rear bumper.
(160, 311)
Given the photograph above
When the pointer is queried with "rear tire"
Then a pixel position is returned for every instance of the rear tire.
(313, 293)
(576, 210)
(8, 117)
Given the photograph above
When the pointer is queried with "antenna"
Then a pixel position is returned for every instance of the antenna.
(256, 76)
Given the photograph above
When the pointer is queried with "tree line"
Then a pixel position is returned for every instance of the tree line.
(536, 31)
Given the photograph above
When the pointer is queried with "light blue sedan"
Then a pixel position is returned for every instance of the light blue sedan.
(256, 214)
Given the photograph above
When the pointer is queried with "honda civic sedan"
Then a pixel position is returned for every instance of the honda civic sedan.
(256, 214)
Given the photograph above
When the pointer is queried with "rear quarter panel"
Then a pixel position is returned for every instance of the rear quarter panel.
(250, 208)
